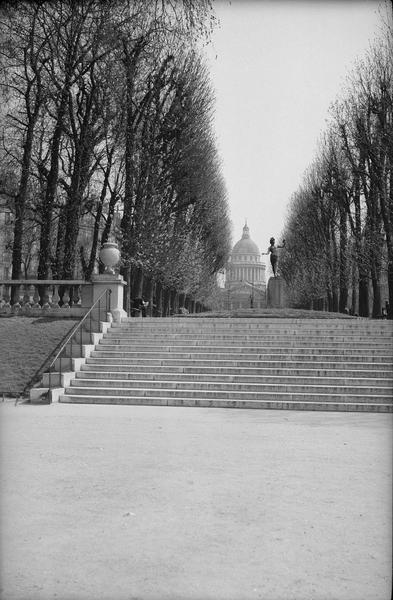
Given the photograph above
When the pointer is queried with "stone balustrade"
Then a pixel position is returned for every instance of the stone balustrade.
(35, 297)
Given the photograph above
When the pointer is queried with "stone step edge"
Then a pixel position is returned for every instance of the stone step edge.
(251, 332)
(116, 343)
(145, 351)
(243, 324)
(71, 390)
(217, 363)
(189, 354)
(241, 404)
(317, 372)
(354, 321)
(216, 377)
(171, 384)
(178, 335)
(242, 360)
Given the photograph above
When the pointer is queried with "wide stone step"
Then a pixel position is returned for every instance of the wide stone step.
(294, 341)
(213, 346)
(249, 333)
(353, 323)
(279, 402)
(266, 337)
(317, 362)
(357, 371)
(239, 331)
(123, 387)
(220, 393)
(305, 354)
(209, 321)
(344, 380)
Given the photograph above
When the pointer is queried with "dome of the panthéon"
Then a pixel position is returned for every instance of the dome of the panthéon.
(245, 245)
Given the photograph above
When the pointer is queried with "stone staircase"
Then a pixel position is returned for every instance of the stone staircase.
(271, 363)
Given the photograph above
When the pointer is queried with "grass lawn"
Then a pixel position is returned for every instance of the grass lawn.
(25, 343)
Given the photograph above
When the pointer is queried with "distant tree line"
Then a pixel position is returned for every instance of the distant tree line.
(106, 112)
(339, 230)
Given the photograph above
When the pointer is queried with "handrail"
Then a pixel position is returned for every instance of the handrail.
(106, 293)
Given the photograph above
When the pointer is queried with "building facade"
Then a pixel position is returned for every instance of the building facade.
(245, 282)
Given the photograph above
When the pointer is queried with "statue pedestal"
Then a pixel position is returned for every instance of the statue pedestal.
(276, 293)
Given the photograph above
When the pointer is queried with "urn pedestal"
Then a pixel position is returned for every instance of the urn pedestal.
(110, 256)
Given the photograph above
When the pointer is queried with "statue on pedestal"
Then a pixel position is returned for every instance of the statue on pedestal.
(272, 250)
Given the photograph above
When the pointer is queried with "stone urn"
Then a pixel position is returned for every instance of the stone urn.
(109, 256)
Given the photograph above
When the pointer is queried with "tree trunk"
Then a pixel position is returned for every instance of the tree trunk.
(109, 218)
(137, 282)
(364, 301)
(148, 294)
(51, 188)
(330, 301)
(71, 236)
(57, 267)
(174, 301)
(20, 204)
(17, 249)
(390, 287)
(377, 298)
(130, 60)
(343, 301)
(88, 271)
(335, 300)
(98, 216)
(158, 307)
(166, 302)
(386, 200)
(376, 269)
(355, 288)
(126, 274)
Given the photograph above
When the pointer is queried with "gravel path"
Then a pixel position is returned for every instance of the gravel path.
(150, 503)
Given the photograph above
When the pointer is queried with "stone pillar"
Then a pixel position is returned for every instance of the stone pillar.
(276, 293)
(116, 284)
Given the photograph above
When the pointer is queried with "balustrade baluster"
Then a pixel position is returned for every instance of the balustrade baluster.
(76, 295)
(50, 295)
(55, 297)
(66, 297)
(7, 298)
(16, 294)
(26, 299)
(36, 297)
(30, 293)
(45, 297)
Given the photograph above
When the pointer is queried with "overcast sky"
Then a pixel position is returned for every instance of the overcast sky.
(276, 66)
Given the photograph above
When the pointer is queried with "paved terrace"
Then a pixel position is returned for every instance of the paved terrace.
(152, 503)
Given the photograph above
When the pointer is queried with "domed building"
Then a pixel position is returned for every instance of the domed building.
(245, 284)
